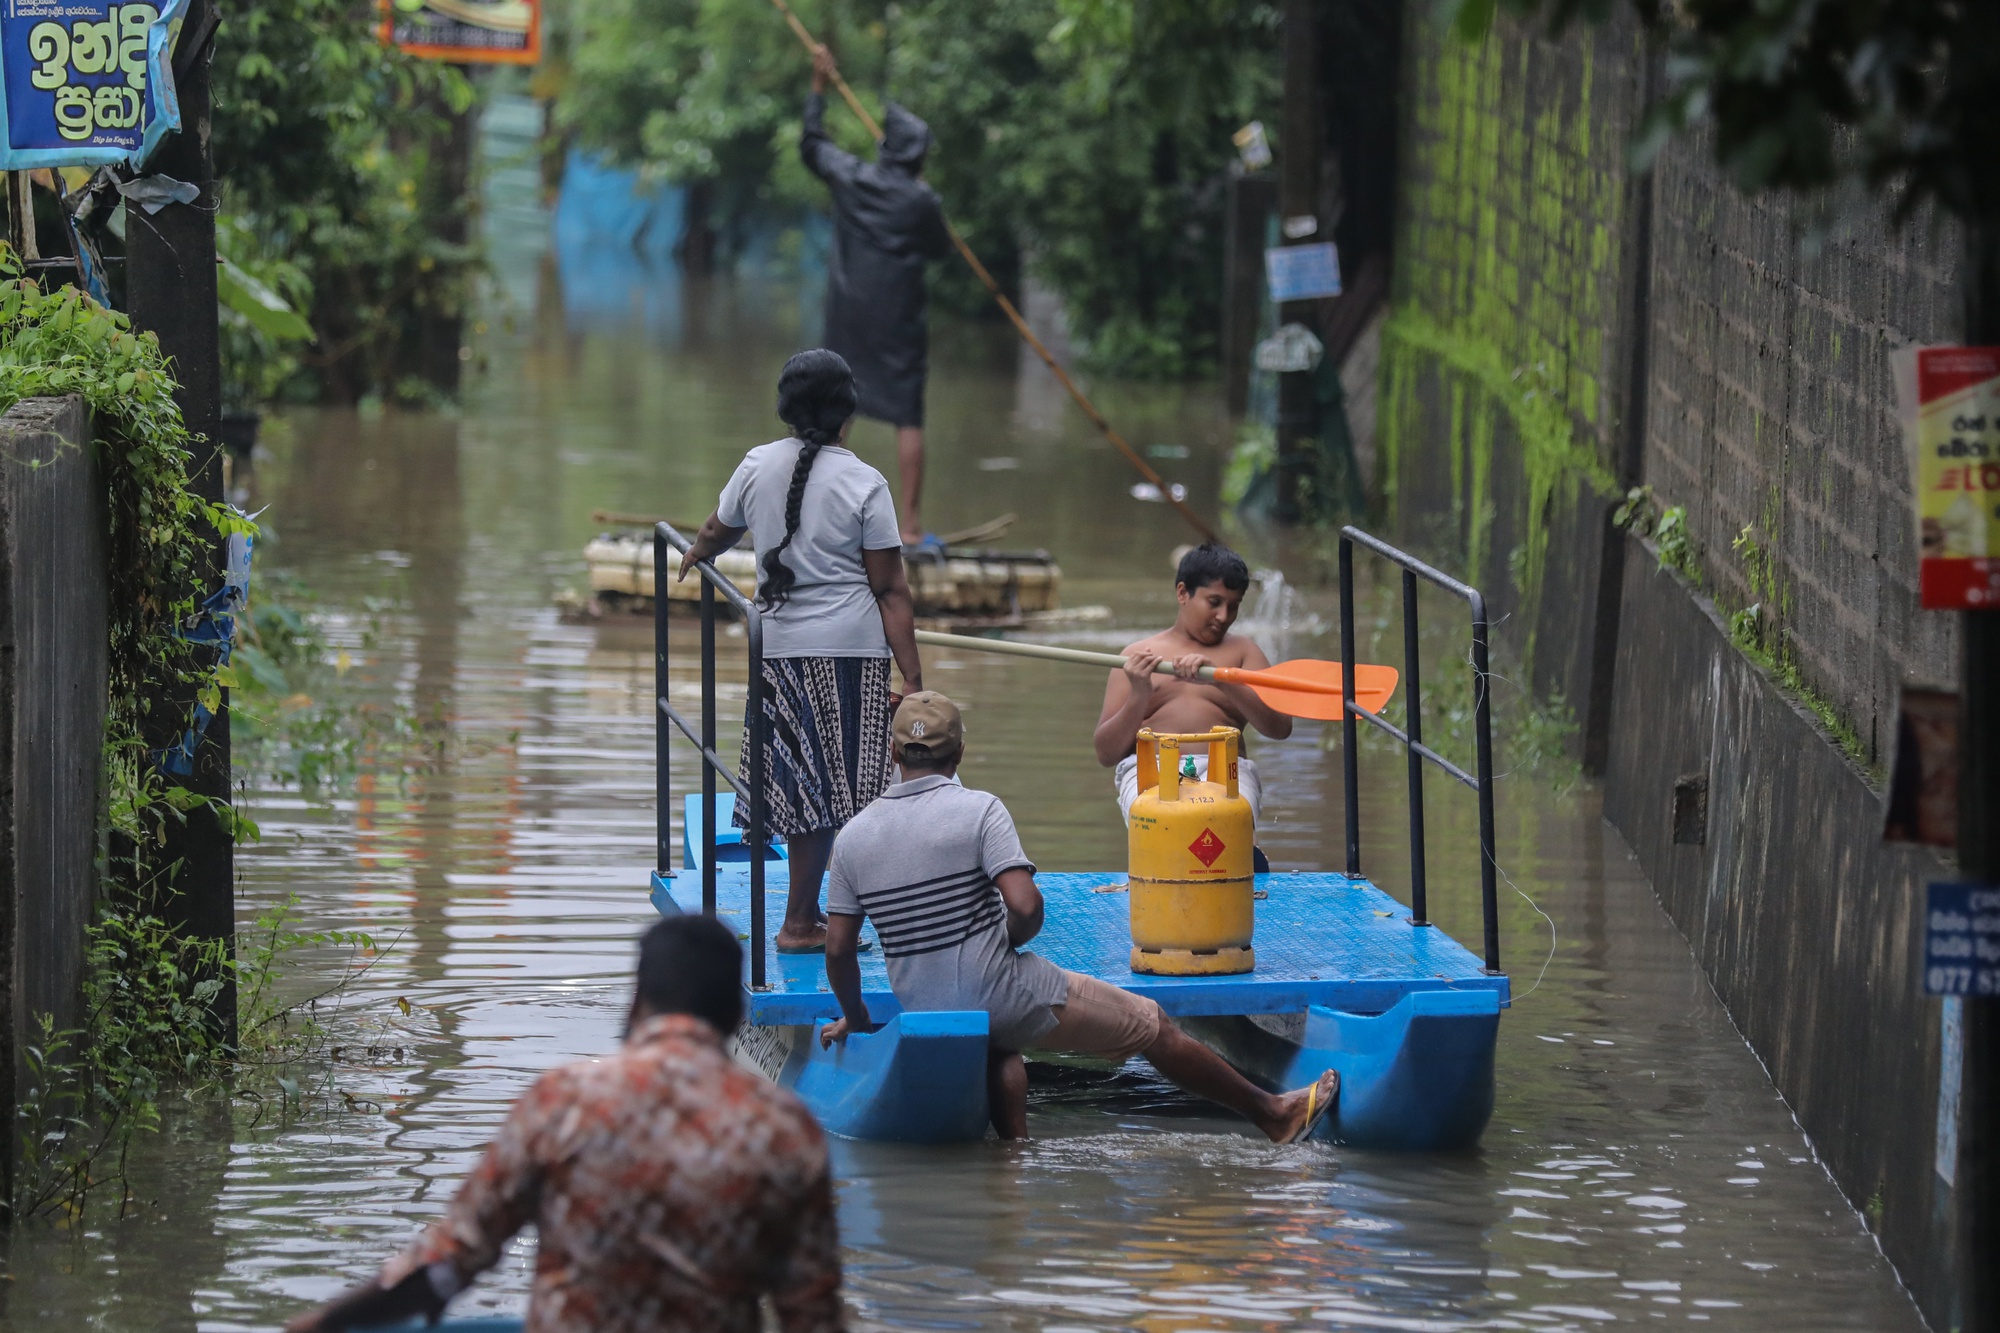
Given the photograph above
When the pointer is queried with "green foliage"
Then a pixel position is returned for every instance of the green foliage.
(146, 990)
(58, 343)
(1530, 736)
(341, 198)
(1754, 629)
(1554, 457)
(1086, 138)
(1253, 457)
(1666, 528)
(1490, 343)
(261, 306)
(292, 721)
(1094, 134)
(1857, 97)
(148, 1032)
(93, 1089)
(693, 91)
(260, 354)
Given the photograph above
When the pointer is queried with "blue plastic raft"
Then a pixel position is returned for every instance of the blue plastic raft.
(1346, 977)
(1344, 981)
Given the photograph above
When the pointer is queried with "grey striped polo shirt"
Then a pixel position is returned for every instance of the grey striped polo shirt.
(920, 863)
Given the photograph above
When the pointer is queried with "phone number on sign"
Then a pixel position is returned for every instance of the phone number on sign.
(1947, 980)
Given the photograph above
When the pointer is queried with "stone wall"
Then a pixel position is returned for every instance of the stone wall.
(1772, 419)
(1499, 420)
(53, 606)
(1805, 921)
(1563, 330)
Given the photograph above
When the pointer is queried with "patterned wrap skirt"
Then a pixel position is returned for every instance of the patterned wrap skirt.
(826, 753)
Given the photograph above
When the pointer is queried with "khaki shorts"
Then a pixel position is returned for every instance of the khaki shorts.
(1102, 1020)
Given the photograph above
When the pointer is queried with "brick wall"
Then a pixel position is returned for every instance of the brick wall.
(1533, 268)
(1562, 330)
(1501, 398)
(1771, 408)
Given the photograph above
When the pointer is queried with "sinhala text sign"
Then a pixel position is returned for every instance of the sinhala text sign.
(1951, 416)
(1962, 939)
(465, 32)
(87, 84)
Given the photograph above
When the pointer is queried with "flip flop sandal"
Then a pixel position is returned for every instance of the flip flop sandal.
(1315, 1108)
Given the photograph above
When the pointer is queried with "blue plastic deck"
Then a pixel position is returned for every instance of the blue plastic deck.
(1321, 940)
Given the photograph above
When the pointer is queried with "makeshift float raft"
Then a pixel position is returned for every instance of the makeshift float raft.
(962, 582)
(1345, 977)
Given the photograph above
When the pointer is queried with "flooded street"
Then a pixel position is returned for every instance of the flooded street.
(1639, 1166)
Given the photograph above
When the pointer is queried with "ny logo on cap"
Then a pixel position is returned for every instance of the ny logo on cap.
(917, 728)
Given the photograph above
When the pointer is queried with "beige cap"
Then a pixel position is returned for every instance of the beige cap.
(928, 724)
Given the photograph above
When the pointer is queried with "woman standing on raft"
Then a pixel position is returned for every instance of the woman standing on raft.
(836, 606)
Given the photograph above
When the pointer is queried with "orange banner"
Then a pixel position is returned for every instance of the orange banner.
(466, 32)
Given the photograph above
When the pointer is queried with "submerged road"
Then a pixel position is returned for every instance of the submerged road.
(1639, 1167)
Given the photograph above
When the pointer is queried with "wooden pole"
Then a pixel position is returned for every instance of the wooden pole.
(986, 280)
(170, 289)
(1977, 1182)
(21, 203)
(1298, 191)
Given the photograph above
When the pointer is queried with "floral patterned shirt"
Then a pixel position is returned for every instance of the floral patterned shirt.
(671, 1188)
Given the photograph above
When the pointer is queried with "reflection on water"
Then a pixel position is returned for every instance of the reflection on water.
(1639, 1166)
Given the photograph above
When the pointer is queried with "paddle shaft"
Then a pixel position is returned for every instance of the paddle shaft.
(1112, 662)
(986, 279)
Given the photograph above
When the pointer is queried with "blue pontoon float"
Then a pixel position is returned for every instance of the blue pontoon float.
(1346, 977)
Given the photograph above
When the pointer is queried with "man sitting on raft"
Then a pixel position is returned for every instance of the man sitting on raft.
(1210, 584)
(940, 870)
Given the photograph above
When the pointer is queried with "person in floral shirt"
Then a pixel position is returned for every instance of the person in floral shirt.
(670, 1187)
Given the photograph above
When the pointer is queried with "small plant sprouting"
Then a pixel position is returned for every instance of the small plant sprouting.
(1666, 528)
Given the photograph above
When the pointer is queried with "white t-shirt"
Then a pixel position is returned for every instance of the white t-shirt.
(846, 510)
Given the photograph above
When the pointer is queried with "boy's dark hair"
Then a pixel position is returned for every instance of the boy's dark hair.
(1211, 563)
(691, 964)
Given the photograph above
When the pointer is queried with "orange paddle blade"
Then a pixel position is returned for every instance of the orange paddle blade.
(1303, 687)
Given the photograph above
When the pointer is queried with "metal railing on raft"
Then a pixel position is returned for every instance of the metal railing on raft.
(665, 540)
(1412, 740)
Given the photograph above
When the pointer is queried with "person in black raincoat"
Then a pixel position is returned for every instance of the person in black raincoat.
(887, 223)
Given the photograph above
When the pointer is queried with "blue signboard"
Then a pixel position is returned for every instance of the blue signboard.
(1302, 272)
(88, 82)
(1962, 940)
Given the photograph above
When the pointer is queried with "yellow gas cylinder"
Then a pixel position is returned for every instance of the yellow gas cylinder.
(1192, 895)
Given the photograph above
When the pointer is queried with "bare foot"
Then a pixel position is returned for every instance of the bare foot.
(791, 939)
(1300, 1111)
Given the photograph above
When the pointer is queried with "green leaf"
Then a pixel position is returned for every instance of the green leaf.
(268, 312)
(1471, 19)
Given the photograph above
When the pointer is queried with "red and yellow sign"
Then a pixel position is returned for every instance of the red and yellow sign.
(466, 32)
(1951, 415)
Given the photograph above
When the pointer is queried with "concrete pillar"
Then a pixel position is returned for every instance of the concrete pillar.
(53, 630)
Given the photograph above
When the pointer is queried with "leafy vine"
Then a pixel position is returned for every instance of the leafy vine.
(58, 343)
(91, 1089)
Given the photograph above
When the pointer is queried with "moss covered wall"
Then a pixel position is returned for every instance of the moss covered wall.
(1543, 296)
(1501, 390)
(1561, 331)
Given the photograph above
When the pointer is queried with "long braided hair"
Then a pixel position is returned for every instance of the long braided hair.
(815, 398)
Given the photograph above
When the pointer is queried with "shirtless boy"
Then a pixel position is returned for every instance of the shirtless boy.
(1210, 584)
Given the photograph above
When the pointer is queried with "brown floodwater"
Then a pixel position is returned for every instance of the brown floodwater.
(1639, 1167)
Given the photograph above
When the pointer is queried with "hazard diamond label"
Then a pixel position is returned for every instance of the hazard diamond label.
(1207, 847)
